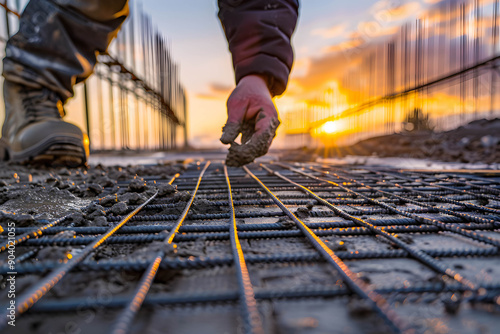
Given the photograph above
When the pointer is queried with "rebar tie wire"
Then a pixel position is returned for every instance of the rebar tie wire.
(123, 323)
(355, 284)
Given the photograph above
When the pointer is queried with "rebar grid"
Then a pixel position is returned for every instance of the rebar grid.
(122, 325)
(37, 291)
(360, 204)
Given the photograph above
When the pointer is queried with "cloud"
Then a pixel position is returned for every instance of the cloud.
(372, 29)
(405, 11)
(219, 88)
(387, 12)
(355, 41)
(336, 59)
(216, 91)
(321, 71)
(332, 32)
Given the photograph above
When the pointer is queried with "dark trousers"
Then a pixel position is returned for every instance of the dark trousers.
(58, 42)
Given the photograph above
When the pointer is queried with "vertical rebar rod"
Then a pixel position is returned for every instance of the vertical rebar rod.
(494, 53)
(100, 117)
(138, 120)
(112, 111)
(477, 23)
(87, 110)
(7, 25)
(185, 125)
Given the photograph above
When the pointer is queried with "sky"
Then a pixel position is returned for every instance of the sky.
(199, 45)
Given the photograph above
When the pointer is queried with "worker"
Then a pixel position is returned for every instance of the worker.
(57, 45)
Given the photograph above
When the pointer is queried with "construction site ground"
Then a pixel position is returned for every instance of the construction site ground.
(328, 246)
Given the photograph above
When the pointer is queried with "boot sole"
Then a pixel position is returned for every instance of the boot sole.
(54, 152)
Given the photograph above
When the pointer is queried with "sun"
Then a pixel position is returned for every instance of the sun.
(329, 127)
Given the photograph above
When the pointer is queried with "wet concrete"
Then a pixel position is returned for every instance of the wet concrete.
(252, 145)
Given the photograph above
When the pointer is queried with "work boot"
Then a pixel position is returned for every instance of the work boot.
(34, 132)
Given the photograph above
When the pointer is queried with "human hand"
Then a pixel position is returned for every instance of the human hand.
(252, 113)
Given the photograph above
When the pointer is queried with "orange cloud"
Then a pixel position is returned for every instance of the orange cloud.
(321, 70)
(388, 12)
(332, 32)
(354, 41)
(405, 11)
(216, 91)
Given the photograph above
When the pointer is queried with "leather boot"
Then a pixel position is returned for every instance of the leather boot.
(34, 132)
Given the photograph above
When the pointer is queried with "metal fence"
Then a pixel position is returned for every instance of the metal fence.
(135, 100)
(439, 71)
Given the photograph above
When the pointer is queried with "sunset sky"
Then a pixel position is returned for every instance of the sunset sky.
(324, 28)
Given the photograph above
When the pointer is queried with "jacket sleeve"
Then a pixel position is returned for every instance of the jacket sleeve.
(259, 33)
